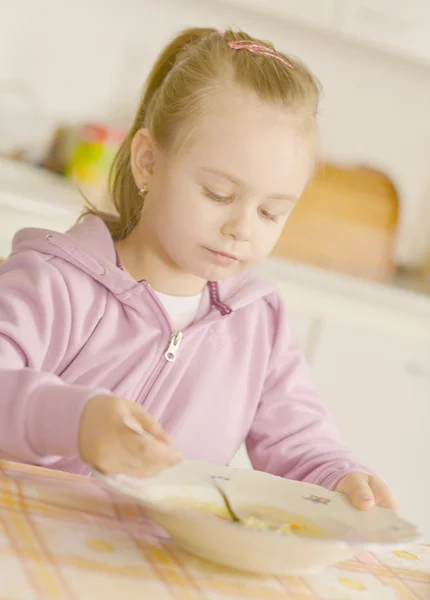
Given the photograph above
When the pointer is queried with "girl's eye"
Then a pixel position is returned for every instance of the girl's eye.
(217, 197)
(267, 215)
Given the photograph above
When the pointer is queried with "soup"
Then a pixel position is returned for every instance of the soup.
(287, 523)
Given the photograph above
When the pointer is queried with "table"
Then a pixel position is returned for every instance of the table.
(67, 537)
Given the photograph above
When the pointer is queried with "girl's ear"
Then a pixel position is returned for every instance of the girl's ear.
(143, 156)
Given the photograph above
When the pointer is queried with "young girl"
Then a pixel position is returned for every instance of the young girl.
(155, 315)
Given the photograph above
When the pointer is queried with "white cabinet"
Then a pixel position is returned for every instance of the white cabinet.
(377, 385)
(302, 324)
(241, 459)
(320, 13)
(31, 197)
(316, 12)
(12, 220)
(395, 25)
(398, 27)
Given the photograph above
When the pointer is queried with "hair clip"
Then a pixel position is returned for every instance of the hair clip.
(256, 48)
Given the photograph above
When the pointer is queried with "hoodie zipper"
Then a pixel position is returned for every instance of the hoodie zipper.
(175, 338)
(175, 342)
(170, 353)
(169, 356)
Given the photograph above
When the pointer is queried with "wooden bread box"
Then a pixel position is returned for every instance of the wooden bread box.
(346, 220)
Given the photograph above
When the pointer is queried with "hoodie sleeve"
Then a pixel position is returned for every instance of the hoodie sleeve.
(293, 434)
(39, 413)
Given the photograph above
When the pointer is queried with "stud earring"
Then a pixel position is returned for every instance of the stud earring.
(143, 190)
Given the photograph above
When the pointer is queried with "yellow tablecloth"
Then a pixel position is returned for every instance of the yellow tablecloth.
(67, 537)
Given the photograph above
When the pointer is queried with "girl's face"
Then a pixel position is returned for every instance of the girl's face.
(220, 206)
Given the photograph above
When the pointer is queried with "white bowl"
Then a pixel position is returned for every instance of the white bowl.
(347, 530)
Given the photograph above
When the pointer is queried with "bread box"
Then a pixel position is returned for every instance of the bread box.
(346, 220)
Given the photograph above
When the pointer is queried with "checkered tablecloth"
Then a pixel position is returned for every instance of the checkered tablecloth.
(65, 537)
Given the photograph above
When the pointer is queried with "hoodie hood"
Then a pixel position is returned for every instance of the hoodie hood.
(88, 245)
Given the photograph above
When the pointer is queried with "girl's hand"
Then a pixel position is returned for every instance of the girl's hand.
(365, 491)
(107, 444)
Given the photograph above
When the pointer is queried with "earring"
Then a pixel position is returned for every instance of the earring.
(143, 190)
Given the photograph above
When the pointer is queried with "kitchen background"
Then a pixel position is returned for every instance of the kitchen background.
(354, 262)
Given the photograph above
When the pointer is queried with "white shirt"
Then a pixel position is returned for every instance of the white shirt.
(182, 310)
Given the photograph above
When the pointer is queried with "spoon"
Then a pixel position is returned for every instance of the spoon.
(231, 511)
(249, 518)
(270, 522)
(135, 426)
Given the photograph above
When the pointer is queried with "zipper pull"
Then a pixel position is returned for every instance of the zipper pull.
(175, 342)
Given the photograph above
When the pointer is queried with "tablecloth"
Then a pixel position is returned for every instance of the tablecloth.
(68, 537)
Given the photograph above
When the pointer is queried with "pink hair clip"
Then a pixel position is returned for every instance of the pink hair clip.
(256, 48)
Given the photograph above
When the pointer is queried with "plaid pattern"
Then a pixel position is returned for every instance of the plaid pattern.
(66, 537)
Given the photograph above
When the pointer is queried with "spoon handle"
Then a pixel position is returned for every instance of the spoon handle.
(227, 503)
(135, 426)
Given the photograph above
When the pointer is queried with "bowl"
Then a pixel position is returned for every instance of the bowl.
(326, 529)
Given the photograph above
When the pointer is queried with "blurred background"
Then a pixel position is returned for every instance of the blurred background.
(354, 259)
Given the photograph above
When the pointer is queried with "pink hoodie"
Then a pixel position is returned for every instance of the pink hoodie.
(73, 325)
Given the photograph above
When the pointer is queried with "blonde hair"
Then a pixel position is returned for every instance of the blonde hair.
(195, 66)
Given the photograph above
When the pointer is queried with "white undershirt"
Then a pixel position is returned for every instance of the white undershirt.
(182, 310)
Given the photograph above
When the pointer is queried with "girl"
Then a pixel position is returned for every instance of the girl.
(154, 315)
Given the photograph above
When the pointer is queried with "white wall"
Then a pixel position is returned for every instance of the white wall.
(87, 59)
